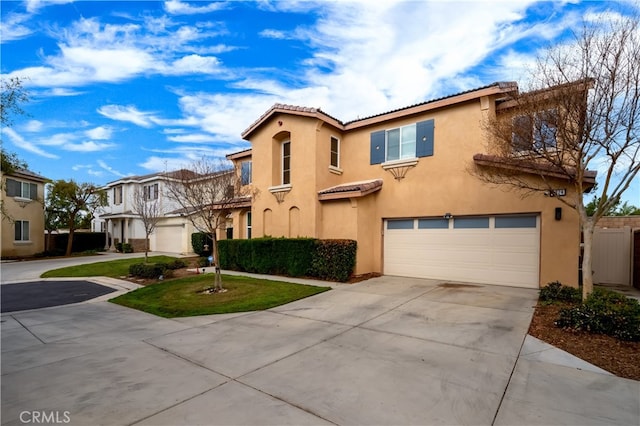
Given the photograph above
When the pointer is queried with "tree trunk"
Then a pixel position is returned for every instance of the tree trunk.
(587, 271)
(217, 285)
(70, 242)
(146, 249)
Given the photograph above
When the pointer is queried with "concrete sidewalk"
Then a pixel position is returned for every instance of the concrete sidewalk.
(384, 351)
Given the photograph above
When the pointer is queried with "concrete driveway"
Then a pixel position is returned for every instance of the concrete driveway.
(389, 350)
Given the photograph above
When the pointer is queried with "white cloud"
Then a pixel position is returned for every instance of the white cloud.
(160, 164)
(35, 5)
(22, 143)
(275, 34)
(33, 126)
(105, 166)
(177, 7)
(127, 113)
(99, 133)
(88, 146)
(193, 138)
(14, 28)
(194, 64)
(90, 51)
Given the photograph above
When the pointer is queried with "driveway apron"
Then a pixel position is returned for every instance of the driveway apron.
(384, 351)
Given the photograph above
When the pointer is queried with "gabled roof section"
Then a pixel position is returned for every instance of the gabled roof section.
(293, 110)
(350, 190)
(497, 88)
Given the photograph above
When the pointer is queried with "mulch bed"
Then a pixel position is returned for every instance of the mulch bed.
(616, 356)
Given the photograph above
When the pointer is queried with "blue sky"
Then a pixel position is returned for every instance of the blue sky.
(128, 87)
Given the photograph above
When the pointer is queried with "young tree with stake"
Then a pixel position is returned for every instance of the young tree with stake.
(206, 193)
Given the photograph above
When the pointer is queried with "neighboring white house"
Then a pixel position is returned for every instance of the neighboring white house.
(122, 225)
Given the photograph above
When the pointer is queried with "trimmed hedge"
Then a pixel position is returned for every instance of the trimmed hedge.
(332, 260)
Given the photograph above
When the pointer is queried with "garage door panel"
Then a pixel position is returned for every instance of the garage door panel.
(506, 256)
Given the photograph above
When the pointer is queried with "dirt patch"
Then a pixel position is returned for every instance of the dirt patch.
(616, 356)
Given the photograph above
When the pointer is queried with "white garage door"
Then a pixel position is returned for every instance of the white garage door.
(501, 250)
(168, 239)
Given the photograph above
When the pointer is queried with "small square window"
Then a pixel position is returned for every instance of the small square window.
(21, 230)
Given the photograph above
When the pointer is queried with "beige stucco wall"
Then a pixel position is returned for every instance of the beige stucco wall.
(442, 183)
(32, 211)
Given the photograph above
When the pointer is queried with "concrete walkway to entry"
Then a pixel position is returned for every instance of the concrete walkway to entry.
(386, 351)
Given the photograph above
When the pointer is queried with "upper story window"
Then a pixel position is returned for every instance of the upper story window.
(534, 133)
(117, 195)
(245, 172)
(150, 192)
(286, 162)
(401, 143)
(16, 188)
(410, 141)
(21, 230)
(335, 152)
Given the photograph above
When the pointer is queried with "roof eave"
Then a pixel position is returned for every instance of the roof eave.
(496, 89)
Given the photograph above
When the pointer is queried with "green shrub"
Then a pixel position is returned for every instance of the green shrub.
(177, 264)
(148, 270)
(556, 292)
(119, 247)
(127, 248)
(334, 260)
(198, 241)
(604, 312)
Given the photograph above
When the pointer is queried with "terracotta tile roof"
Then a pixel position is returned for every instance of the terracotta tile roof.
(350, 190)
(498, 87)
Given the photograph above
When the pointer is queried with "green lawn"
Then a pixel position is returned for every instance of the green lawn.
(181, 297)
(114, 268)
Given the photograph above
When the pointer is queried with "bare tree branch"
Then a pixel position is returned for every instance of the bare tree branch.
(581, 115)
(146, 204)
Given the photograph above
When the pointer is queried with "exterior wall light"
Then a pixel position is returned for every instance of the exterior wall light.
(448, 216)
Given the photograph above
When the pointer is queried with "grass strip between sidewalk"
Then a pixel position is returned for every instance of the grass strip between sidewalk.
(183, 297)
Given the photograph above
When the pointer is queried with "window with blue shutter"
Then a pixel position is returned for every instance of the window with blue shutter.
(414, 140)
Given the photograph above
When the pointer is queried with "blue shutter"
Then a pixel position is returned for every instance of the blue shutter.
(377, 147)
(424, 138)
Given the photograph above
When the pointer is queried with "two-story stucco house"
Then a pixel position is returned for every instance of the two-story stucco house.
(401, 184)
(23, 214)
(123, 225)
